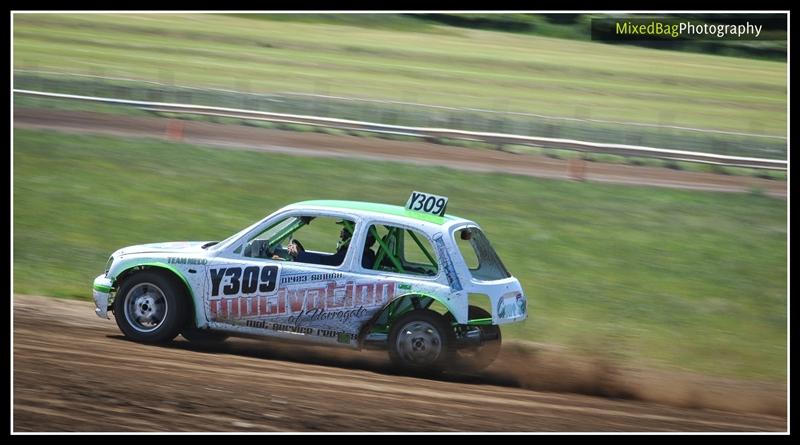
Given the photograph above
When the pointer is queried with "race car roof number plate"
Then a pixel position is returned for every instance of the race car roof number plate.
(427, 203)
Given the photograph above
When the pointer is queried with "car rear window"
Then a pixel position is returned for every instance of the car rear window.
(478, 254)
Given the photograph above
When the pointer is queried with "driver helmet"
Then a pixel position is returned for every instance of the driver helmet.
(344, 234)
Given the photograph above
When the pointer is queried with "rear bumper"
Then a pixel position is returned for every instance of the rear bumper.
(101, 292)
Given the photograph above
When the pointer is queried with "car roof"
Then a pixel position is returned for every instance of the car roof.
(395, 212)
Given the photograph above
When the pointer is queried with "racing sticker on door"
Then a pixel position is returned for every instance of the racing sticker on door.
(247, 280)
(325, 304)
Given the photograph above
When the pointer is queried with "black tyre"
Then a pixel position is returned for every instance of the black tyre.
(203, 336)
(478, 357)
(421, 341)
(151, 307)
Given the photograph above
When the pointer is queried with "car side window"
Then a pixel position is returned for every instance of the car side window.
(323, 240)
(402, 250)
(304, 239)
(467, 250)
(267, 243)
(478, 254)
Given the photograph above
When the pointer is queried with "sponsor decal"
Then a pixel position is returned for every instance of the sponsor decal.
(333, 300)
(447, 263)
(340, 336)
(319, 314)
(179, 260)
(307, 277)
(511, 306)
(294, 279)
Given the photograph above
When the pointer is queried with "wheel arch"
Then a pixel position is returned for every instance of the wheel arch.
(163, 268)
(394, 303)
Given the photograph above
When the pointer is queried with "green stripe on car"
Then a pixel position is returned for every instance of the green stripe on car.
(101, 288)
(380, 208)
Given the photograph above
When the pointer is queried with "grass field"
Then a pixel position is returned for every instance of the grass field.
(562, 26)
(433, 64)
(651, 276)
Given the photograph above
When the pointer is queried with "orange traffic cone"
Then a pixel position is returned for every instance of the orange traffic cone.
(175, 129)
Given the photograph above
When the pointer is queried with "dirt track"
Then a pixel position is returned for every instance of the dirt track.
(74, 372)
(315, 144)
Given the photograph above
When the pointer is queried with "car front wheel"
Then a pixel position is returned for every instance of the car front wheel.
(150, 307)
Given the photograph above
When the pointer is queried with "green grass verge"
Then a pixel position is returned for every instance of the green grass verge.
(651, 276)
(47, 103)
(442, 65)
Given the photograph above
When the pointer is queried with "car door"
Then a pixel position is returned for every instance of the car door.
(402, 262)
(252, 292)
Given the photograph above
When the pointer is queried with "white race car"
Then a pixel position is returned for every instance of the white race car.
(407, 279)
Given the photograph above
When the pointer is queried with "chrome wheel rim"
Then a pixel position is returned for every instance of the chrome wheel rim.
(419, 343)
(146, 307)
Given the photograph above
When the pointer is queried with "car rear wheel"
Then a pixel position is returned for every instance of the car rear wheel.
(150, 307)
(421, 341)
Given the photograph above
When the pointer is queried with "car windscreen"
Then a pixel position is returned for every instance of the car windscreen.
(480, 257)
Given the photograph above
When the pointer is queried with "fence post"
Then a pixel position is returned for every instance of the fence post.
(576, 168)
